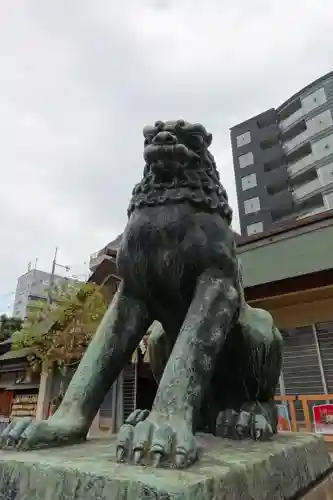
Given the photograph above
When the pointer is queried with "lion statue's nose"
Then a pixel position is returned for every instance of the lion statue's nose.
(165, 138)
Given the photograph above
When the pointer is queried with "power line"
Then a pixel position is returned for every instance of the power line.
(54, 265)
(6, 295)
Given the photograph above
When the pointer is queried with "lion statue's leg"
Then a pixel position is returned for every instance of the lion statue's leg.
(116, 338)
(159, 350)
(255, 349)
(168, 431)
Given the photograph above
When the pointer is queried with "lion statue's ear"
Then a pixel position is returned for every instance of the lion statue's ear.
(209, 139)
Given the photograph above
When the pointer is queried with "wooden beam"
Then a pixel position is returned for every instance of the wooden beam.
(300, 314)
(311, 281)
(288, 299)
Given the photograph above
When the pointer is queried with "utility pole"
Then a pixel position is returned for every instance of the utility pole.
(47, 373)
(54, 265)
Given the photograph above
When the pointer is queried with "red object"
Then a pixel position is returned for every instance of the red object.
(323, 418)
(283, 418)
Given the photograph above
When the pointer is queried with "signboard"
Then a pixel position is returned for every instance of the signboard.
(323, 418)
(24, 405)
(283, 418)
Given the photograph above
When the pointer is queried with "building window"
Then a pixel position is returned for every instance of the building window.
(243, 139)
(249, 181)
(256, 228)
(252, 205)
(246, 160)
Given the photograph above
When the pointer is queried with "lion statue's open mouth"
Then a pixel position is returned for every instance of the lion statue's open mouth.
(162, 152)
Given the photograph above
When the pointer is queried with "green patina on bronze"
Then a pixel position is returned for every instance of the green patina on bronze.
(227, 470)
(178, 266)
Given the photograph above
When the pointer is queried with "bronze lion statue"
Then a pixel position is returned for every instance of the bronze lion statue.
(216, 359)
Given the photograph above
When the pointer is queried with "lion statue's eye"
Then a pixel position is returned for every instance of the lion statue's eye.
(195, 140)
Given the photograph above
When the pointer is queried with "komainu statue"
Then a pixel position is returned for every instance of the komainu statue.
(216, 359)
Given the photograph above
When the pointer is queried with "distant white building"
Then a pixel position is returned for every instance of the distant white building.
(34, 286)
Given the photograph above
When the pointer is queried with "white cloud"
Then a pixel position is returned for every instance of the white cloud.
(79, 79)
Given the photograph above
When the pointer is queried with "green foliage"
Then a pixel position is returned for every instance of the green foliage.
(8, 326)
(60, 331)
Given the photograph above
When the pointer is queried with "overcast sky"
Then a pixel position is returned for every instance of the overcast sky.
(79, 79)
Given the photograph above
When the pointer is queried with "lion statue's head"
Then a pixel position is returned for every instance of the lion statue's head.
(179, 168)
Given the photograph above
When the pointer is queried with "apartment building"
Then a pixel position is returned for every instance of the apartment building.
(33, 287)
(283, 159)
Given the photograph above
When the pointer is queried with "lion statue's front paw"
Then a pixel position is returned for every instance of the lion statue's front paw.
(156, 439)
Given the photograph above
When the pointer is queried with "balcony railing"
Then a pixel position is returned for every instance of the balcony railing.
(284, 124)
(306, 189)
(300, 165)
(94, 255)
(309, 213)
(289, 145)
(96, 259)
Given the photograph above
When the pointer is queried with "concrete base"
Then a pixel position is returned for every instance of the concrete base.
(321, 491)
(281, 469)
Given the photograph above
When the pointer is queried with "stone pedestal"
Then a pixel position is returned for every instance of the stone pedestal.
(289, 465)
(321, 491)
